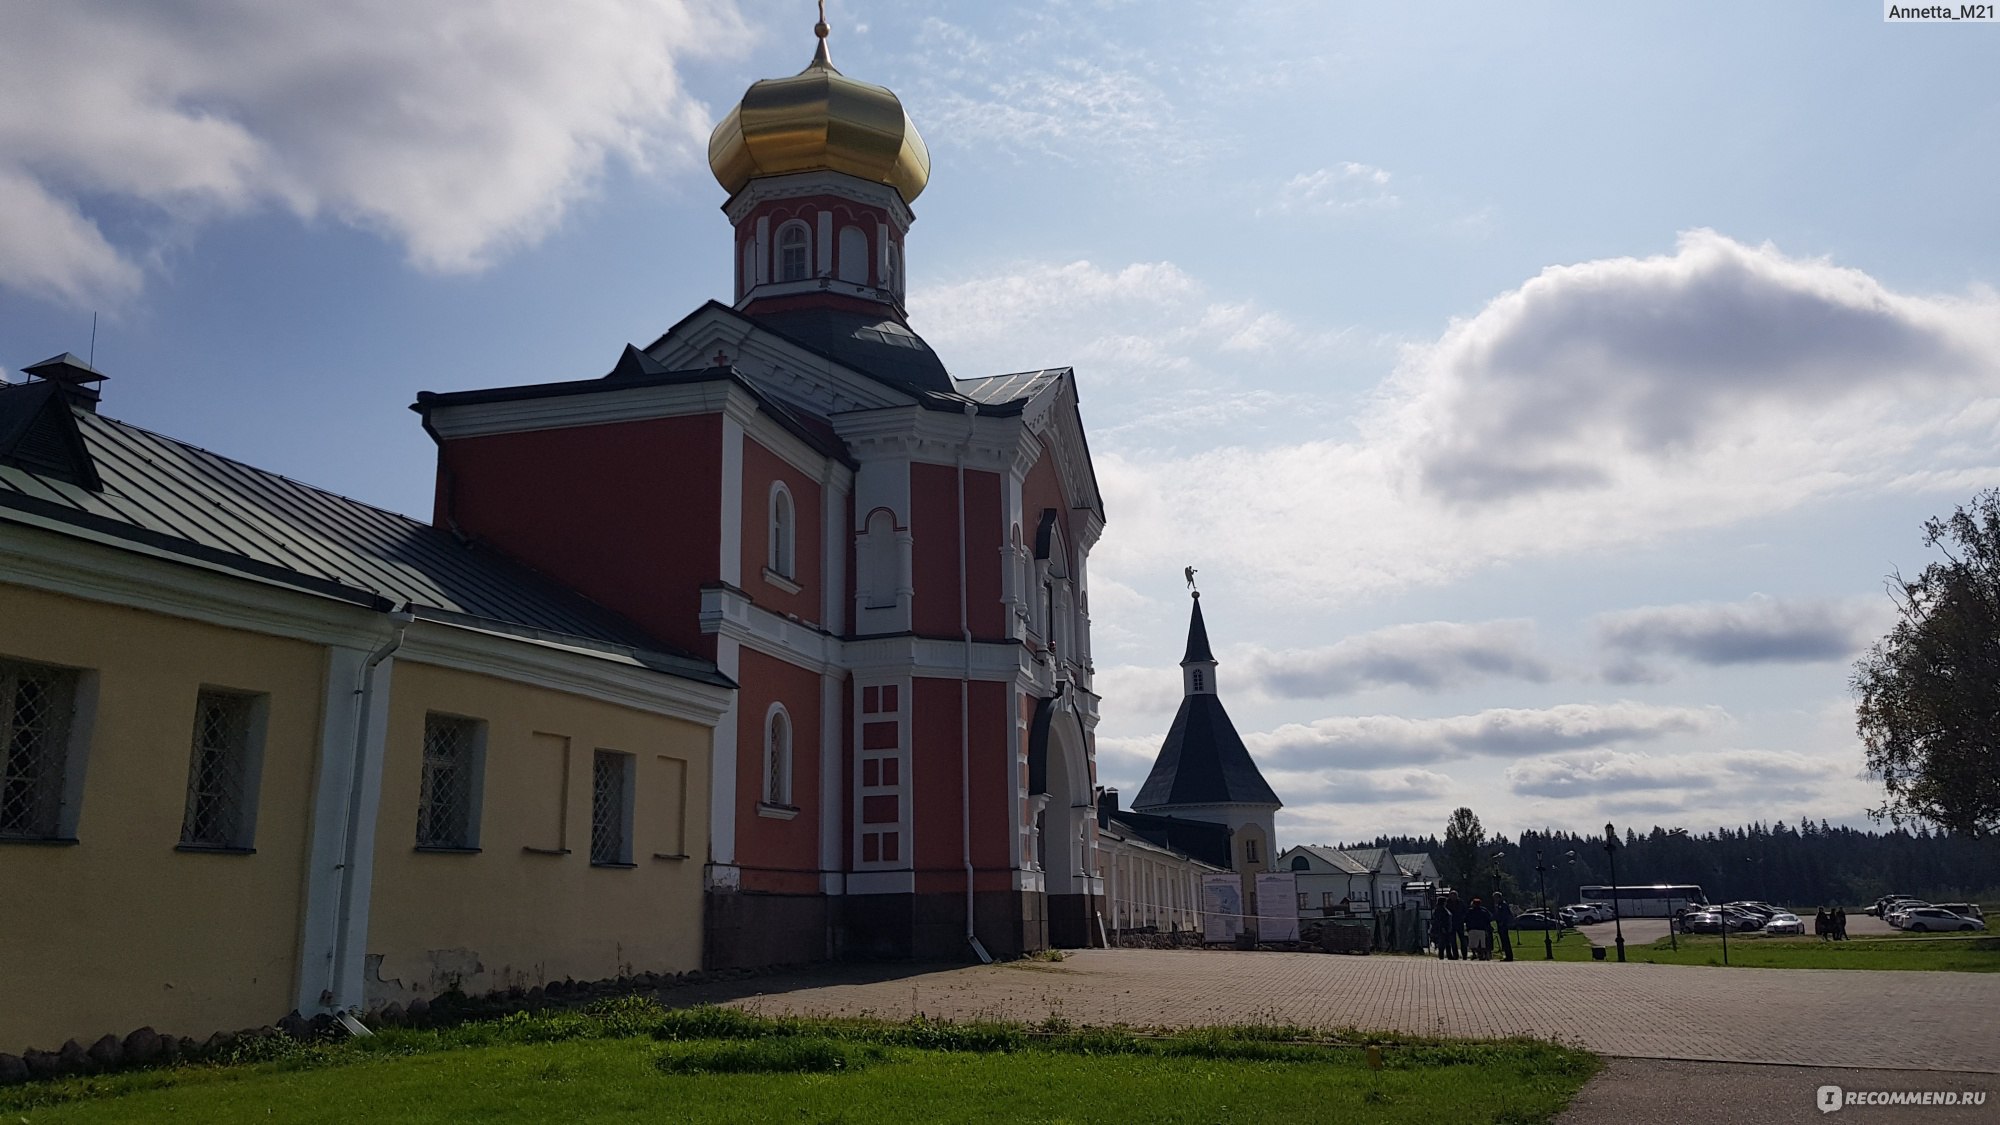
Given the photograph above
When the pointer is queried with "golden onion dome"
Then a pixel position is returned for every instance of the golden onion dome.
(820, 119)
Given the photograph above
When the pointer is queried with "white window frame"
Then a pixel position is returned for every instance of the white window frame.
(784, 527)
(802, 245)
(240, 834)
(467, 840)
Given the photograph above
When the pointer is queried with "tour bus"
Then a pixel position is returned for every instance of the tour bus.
(1659, 900)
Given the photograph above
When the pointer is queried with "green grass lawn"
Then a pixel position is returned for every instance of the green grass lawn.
(1961, 955)
(630, 1061)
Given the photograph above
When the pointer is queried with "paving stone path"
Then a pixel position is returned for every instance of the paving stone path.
(1818, 1017)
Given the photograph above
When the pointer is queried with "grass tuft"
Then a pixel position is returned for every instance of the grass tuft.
(789, 1055)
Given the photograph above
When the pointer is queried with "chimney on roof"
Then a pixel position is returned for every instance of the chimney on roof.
(77, 379)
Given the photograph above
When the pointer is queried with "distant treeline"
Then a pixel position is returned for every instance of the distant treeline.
(1806, 865)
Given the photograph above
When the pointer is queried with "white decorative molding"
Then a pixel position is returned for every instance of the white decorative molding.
(612, 403)
(839, 185)
(54, 557)
(731, 614)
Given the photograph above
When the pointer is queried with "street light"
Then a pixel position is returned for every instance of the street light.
(1542, 886)
(1617, 919)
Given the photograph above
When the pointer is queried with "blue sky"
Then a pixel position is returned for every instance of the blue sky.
(1543, 390)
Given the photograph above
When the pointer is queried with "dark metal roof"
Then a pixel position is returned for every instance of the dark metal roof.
(875, 344)
(186, 502)
(1197, 646)
(895, 366)
(992, 390)
(38, 432)
(1202, 840)
(1204, 762)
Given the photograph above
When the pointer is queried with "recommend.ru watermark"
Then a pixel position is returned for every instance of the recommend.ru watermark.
(1834, 1098)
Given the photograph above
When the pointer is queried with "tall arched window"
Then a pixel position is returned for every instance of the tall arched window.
(783, 531)
(794, 252)
(892, 273)
(778, 757)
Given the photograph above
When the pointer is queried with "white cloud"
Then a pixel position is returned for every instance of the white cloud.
(1604, 772)
(1377, 740)
(1759, 630)
(457, 131)
(1360, 787)
(1346, 186)
(1603, 405)
(1598, 375)
(1430, 656)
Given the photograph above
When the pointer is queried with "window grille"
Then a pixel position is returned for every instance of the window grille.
(36, 704)
(777, 780)
(1197, 679)
(444, 807)
(218, 796)
(1251, 852)
(610, 829)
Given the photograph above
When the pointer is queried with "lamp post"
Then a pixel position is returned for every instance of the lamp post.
(1617, 918)
(1542, 887)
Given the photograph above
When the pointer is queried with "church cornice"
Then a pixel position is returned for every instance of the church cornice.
(839, 185)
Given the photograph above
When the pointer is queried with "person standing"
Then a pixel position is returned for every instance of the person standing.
(1503, 917)
(1479, 932)
(1840, 923)
(1441, 938)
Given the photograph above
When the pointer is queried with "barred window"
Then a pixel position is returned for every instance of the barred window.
(222, 771)
(611, 808)
(448, 805)
(37, 703)
(778, 758)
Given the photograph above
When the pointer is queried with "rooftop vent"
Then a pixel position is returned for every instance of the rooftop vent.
(77, 379)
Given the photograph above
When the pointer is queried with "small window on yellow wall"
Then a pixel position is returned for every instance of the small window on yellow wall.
(611, 809)
(451, 784)
(223, 769)
(40, 782)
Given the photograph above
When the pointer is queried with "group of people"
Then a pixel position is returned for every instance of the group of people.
(1831, 925)
(1465, 931)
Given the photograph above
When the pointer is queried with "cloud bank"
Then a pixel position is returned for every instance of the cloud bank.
(1760, 630)
(1378, 740)
(455, 130)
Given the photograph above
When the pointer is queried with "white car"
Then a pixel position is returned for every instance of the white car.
(1587, 912)
(1926, 919)
(1901, 911)
(1784, 922)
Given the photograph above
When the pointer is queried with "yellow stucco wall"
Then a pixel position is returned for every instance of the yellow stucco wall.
(121, 930)
(505, 916)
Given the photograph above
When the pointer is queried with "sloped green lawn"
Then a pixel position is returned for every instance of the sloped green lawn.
(631, 1062)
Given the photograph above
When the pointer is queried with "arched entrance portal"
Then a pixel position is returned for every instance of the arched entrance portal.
(1067, 844)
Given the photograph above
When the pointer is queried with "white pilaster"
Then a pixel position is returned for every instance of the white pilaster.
(831, 820)
(722, 787)
(341, 859)
(825, 244)
(731, 561)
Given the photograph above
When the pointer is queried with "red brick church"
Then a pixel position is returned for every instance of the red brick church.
(888, 559)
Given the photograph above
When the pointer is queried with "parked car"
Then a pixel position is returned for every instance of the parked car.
(1926, 919)
(1964, 910)
(1901, 911)
(1588, 912)
(1898, 903)
(1784, 922)
(1887, 903)
(1536, 920)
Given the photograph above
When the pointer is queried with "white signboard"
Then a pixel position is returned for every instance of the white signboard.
(1277, 906)
(1221, 908)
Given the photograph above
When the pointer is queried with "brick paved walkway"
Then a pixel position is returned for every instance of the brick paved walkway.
(1824, 1017)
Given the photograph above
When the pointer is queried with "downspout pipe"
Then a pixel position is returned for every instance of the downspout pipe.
(364, 707)
(965, 700)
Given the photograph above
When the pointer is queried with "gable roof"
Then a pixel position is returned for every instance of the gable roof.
(1201, 840)
(167, 498)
